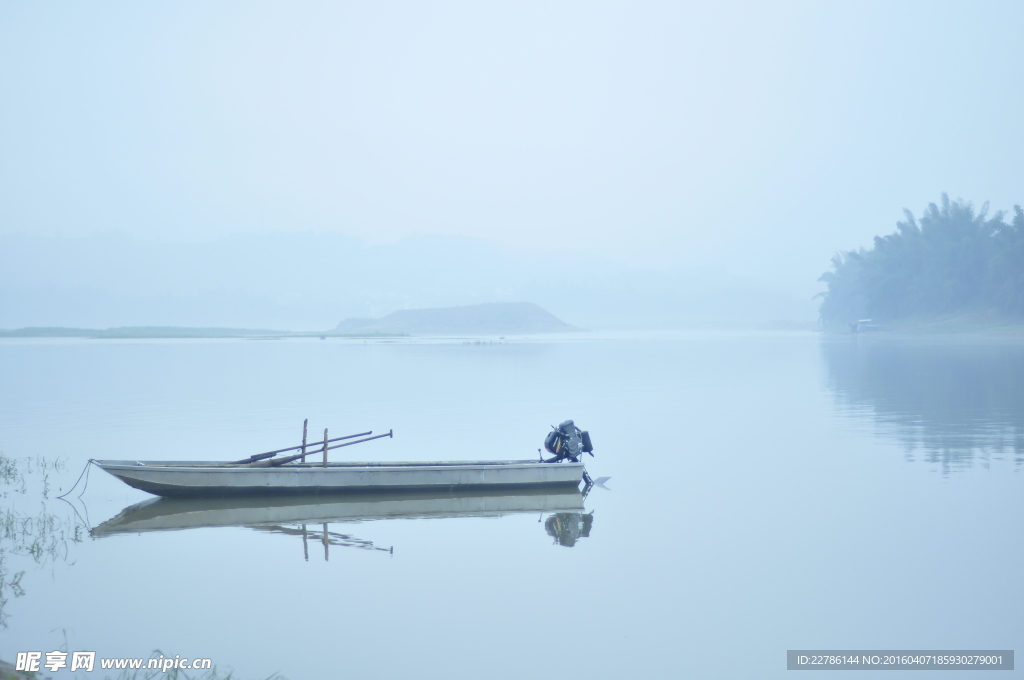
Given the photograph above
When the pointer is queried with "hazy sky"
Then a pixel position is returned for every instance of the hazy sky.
(740, 137)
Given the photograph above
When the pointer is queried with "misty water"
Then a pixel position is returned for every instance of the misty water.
(767, 492)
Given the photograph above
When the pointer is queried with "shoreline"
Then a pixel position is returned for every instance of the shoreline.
(175, 332)
(961, 325)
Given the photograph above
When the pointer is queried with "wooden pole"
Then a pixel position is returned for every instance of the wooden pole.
(305, 544)
(325, 447)
(326, 556)
(304, 424)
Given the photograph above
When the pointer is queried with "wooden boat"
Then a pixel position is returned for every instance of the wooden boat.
(264, 473)
(205, 478)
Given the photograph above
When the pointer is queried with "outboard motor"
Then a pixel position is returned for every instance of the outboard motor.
(567, 442)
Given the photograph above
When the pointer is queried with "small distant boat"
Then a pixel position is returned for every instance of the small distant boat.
(865, 326)
(265, 473)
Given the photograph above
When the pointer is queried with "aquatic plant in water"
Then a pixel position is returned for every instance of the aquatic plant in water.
(44, 536)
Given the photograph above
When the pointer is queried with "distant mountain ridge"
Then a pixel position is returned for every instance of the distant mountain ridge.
(495, 318)
(308, 281)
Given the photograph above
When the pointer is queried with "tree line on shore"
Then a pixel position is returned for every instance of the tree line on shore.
(951, 260)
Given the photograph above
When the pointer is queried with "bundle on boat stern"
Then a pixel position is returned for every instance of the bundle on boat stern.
(568, 442)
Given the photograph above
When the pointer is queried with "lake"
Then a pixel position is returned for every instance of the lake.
(767, 491)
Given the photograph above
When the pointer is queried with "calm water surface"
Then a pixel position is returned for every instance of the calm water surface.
(767, 492)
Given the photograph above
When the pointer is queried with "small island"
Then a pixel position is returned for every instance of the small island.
(952, 270)
(495, 318)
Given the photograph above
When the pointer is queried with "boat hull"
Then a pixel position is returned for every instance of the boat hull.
(203, 478)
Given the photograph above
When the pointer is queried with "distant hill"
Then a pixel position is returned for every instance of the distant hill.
(499, 318)
(496, 318)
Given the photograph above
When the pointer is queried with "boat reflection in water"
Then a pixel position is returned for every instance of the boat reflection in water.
(293, 515)
(567, 527)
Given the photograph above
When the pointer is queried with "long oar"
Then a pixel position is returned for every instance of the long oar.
(271, 454)
(288, 459)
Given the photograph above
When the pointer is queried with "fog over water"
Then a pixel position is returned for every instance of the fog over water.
(714, 157)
